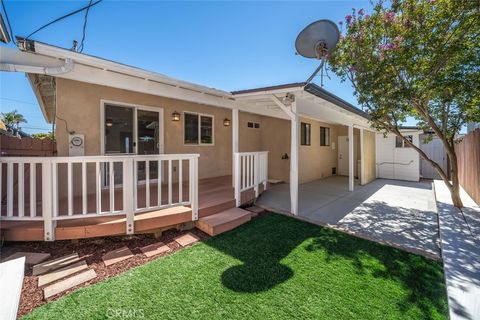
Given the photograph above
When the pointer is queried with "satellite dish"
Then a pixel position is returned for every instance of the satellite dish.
(317, 41)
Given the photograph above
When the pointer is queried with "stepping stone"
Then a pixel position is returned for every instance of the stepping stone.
(30, 257)
(255, 210)
(186, 239)
(154, 249)
(55, 264)
(68, 283)
(117, 255)
(61, 273)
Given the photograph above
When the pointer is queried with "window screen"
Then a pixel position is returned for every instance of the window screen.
(305, 134)
(324, 136)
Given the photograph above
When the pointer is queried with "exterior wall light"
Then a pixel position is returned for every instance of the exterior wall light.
(175, 116)
(109, 123)
(226, 122)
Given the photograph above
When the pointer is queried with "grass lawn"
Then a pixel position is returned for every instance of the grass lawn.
(274, 267)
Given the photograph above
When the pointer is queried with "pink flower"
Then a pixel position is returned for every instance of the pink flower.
(361, 12)
(398, 39)
(389, 16)
(348, 18)
(388, 46)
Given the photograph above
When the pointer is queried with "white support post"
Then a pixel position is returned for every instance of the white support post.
(128, 191)
(351, 172)
(235, 141)
(256, 171)
(238, 179)
(47, 207)
(194, 187)
(362, 159)
(295, 127)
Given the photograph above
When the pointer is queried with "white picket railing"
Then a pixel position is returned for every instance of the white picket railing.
(66, 181)
(251, 170)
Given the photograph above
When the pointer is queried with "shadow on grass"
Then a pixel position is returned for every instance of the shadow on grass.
(261, 246)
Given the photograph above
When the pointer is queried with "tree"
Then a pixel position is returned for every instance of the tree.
(417, 59)
(12, 118)
(42, 135)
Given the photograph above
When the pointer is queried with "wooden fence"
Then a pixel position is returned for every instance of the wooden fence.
(31, 147)
(468, 155)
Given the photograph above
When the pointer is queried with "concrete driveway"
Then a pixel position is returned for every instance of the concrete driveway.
(398, 213)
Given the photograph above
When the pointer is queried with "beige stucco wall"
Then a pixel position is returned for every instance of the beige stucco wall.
(79, 105)
(316, 162)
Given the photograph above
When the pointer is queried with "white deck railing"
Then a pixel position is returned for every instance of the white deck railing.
(93, 186)
(251, 170)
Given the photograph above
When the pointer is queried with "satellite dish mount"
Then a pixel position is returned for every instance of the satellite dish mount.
(317, 41)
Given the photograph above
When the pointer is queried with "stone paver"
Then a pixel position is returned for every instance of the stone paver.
(68, 283)
(460, 252)
(186, 239)
(31, 258)
(55, 264)
(117, 255)
(61, 273)
(154, 249)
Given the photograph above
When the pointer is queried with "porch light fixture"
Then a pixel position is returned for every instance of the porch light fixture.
(175, 116)
(226, 122)
(109, 123)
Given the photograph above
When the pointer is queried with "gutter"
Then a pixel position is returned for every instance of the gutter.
(51, 71)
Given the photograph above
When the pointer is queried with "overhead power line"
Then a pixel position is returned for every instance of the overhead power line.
(80, 49)
(12, 37)
(64, 16)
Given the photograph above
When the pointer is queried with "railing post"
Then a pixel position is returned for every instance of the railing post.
(237, 180)
(265, 181)
(193, 185)
(47, 197)
(128, 192)
(256, 172)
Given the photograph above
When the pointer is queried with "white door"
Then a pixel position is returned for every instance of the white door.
(435, 151)
(343, 155)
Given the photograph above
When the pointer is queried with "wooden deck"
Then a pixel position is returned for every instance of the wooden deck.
(215, 195)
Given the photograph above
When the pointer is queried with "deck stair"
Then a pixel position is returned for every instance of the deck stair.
(223, 221)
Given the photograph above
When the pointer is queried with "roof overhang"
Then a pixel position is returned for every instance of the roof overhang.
(91, 69)
(311, 102)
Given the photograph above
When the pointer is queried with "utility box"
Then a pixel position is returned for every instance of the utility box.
(76, 145)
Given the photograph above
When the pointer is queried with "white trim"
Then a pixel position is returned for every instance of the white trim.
(351, 160)
(199, 144)
(294, 154)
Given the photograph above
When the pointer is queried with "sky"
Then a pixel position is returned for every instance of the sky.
(223, 44)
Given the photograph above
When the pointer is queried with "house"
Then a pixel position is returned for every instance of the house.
(140, 151)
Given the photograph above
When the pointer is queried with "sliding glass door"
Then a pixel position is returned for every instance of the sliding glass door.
(132, 130)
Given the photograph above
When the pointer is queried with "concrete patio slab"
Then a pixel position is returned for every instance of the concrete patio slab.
(461, 253)
(399, 213)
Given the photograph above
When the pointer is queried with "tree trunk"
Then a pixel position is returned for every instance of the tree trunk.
(455, 190)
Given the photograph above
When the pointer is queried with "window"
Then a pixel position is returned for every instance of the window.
(400, 143)
(324, 136)
(253, 125)
(198, 127)
(305, 134)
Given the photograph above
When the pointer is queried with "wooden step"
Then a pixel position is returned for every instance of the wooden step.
(223, 221)
(215, 203)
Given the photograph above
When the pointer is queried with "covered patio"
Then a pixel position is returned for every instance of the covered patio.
(398, 213)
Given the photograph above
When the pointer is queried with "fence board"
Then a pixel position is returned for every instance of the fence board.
(15, 147)
(468, 158)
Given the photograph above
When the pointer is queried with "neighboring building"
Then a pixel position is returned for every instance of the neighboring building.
(126, 137)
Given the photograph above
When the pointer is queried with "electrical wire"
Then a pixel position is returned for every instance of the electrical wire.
(12, 38)
(80, 48)
(63, 17)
